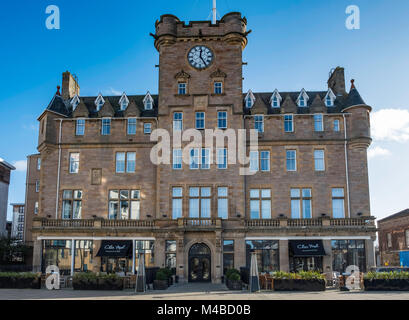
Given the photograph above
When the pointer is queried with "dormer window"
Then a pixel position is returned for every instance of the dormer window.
(74, 102)
(276, 99)
(123, 102)
(148, 101)
(330, 98)
(99, 102)
(249, 99)
(302, 99)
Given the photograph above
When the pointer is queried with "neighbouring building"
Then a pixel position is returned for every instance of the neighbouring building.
(103, 201)
(32, 195)
(5, 170)
(393, 235)
(17, 229)
(9, 225)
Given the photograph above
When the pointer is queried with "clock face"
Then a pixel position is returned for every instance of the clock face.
(200, 57)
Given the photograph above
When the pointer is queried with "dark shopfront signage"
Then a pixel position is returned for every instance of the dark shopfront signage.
(118, 248)
(307, 248)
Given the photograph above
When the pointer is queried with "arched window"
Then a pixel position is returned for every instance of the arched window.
(199, 249)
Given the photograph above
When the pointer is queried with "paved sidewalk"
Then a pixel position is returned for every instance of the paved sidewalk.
(197, 292)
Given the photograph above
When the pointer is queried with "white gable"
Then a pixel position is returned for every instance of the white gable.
(276, 98)
(99, 102)
(148, 101)
(249, 99)
(329, 98)
(123, 102)
(74, 102)
(303, 97)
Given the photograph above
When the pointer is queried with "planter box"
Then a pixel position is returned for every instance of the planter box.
(386, 284)
(20, 283)
(234, 284)
(160, 284)
(299, 285)
(98, 284)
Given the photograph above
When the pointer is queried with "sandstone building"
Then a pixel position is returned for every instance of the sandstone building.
(102, 201)
(5, 171)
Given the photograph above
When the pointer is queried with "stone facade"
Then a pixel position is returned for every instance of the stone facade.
(5, 171)
(345, 159)
(396, 227)
(32, 197)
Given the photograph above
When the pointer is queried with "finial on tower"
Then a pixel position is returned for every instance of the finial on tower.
(352, 84)
(58, 91)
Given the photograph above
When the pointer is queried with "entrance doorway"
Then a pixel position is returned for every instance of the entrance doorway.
(199, 263)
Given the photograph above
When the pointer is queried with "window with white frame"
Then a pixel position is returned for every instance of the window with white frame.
(125, 161)
(131, 126)
(218, 87)
(199, 202)
(259, 123)
(260, 204)
(38, 163)
(249, 102)
(148, 104)
(265, 160)
(106, 126)
(221, 158)
(200, 120)
(301, 101)
(36, 207)
(291, 160)
(147, 128)
(288, 123)
(221, 119)
(124, 104)
(222, 202)
(318, 122)
(338, 200)
(37, 185)
(319, 160)
(177, 159)
(205, 163)
(389, 239)
(194, 158)
(254, 161)
(301, 204)
(124, 204)
(336, 125)
(178, 121)
(80, 127)
(182, 88)
(275, 102)
(74, 162)
(71, 204)
(177, 202)
(328, 101)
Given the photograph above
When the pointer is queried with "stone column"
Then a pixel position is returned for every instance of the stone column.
(37, 254)
(239, 253)
(160, 252)
(370, 254)
(180, 260)
(284, 256)
(327, 259)
(218, 267)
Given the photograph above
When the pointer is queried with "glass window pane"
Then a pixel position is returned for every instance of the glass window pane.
(113, 194)
(222, 191)
(306, 193)
(222, 208)
(254, 209)
(135, 194)
(295, 209)
(194, 192)
(194, 208)
(124, 194)
(265, 193)
(135, 210)
(338, 208)
(177, 192)
(306, 207)
(205, 208)
(338, 192)
(295, 193)
(205, 192)
(176, 208)
(67, 194)
(113, 210)
(266, 209)
(254, 193)
(124, 210)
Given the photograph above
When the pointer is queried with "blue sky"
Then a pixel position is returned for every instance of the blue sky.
(294, 44)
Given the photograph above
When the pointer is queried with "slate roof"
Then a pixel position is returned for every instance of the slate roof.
(6, 164)
(400, 214)
(61, 106)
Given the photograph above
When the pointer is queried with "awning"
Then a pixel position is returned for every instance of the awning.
(307, 248)
(115, 248)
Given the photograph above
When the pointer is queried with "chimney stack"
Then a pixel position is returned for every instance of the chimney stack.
(336, 81)
(70, 86)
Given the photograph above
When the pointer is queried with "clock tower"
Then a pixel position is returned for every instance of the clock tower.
(198, 54)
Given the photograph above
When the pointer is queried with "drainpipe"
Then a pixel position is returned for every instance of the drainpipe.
(346, 165)
(58, 171)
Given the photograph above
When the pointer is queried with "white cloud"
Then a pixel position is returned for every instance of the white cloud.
(390, 125)
(114, 92)
(21, 165)
(378, 152)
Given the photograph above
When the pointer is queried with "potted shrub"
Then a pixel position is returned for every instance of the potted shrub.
(110, 282)
(23, 280)
(302, 281)
(92, 281)
(233, 279)
(386, 281)
(161, 281)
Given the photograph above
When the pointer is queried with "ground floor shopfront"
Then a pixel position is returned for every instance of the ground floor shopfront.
(197, 258)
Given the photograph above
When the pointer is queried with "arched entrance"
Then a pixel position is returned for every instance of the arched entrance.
(199, 263)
